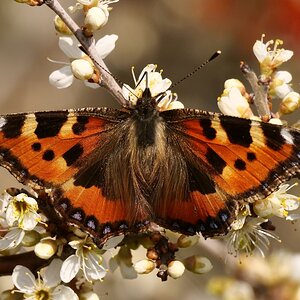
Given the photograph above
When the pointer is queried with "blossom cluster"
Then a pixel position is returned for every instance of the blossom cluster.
(235, 100)
(274, 277)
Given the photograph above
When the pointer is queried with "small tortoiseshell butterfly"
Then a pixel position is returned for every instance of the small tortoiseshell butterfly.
(112, 171)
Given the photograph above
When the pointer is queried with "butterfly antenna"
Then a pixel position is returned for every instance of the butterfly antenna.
(215, 55)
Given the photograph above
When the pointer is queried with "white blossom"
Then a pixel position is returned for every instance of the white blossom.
(46, 286)
(63, 77)
(280, 84)
(87, 258)
(249, 237)
(278, 204)
(233, 103)
(19, 214)
(270, 58)
(158, 87)
(290, 103)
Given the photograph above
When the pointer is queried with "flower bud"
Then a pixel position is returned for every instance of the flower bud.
(95, 18)
(230, 83)
(290, 103)
(198, 264)
(187, 241)
(61, 27)
(280, 84)
(82, 69)
(144, 266)
(232, 103)
(89, 296)
(275, 121)
(176, 269)
(31, 238)
(46, 248)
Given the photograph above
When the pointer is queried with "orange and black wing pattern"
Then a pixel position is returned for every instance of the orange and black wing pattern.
(229, 161)
(56, 153)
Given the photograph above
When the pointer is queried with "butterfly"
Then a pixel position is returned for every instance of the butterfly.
(113, 171)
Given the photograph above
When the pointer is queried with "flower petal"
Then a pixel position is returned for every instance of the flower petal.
(113, 242)
(70, 268)
(12, 239)
(50, 274)
(61, 78)
(95, 269)
(23, 279)
(285, 76)
(284, 55)
(106, 44)
(175, 105)
(260, 50)
(69, 45)
(64, 293)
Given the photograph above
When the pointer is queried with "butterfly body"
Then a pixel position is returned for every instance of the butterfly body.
(112, 171)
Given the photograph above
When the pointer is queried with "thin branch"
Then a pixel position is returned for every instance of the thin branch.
(260, 92)
(88, 44)
(28, 259)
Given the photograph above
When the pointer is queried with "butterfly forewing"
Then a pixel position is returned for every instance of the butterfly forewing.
(229, 161)
(60, 153)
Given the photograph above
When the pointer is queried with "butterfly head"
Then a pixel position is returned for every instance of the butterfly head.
(146, 106)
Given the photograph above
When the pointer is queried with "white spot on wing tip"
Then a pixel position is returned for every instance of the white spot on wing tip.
(2, 122)
(287, 136)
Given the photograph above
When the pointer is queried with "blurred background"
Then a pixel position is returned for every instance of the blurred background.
(177, 36)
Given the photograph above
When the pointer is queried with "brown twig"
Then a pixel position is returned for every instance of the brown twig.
(28, 259)
(260, 92)
(88, 44)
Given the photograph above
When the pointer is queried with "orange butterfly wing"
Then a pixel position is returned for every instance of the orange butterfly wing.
(53, 152)
(229, 161)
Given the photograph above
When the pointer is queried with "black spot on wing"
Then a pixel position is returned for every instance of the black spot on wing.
(79, 126)
(237, 130)
(240, 165)
(49, 123)
(48, 155)
(13, 126)
(199, 181)
(36, 146)
(215, 160)
(73, 154)
(251, 156)
(272, 134)
(208, 131)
